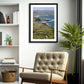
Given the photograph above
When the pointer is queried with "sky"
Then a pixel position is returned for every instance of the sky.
(43, 8)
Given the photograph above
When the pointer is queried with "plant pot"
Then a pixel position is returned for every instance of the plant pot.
(10, 43)
(73, 79)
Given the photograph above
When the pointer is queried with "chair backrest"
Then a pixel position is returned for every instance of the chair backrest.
(45, 60)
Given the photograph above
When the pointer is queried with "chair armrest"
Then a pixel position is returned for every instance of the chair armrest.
(58, 69)
(26, 68)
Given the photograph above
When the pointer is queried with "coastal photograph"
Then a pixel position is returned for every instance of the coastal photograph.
(43, 22)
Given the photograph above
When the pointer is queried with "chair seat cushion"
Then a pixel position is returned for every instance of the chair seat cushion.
(40, 75)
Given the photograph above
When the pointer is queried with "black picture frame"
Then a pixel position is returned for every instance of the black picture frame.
(34, 22)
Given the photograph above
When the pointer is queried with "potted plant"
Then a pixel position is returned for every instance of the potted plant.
(73, 40)
(8, 40)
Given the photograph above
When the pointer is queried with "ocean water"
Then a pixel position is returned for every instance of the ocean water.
(49, 23)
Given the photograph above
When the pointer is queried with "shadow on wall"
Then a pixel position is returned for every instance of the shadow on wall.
(82, 72)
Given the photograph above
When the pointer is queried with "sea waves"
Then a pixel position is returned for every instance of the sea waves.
(49, 17)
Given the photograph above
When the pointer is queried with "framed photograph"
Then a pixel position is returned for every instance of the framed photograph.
(43, 22)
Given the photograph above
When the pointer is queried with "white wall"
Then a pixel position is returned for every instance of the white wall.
(66, 13)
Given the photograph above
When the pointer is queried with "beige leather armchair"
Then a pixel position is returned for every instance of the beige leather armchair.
(49, 67)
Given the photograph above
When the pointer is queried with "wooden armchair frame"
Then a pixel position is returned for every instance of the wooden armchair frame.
(46, 81)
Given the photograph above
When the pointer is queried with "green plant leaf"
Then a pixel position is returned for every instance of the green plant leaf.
(73, 38)
(65, 45)
(8, 38)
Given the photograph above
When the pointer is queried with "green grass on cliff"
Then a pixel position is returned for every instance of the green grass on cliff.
(42, 31)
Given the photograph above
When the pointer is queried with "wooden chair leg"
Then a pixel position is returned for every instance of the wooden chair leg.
(66, 82)
(21, 82)
(50, 82)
